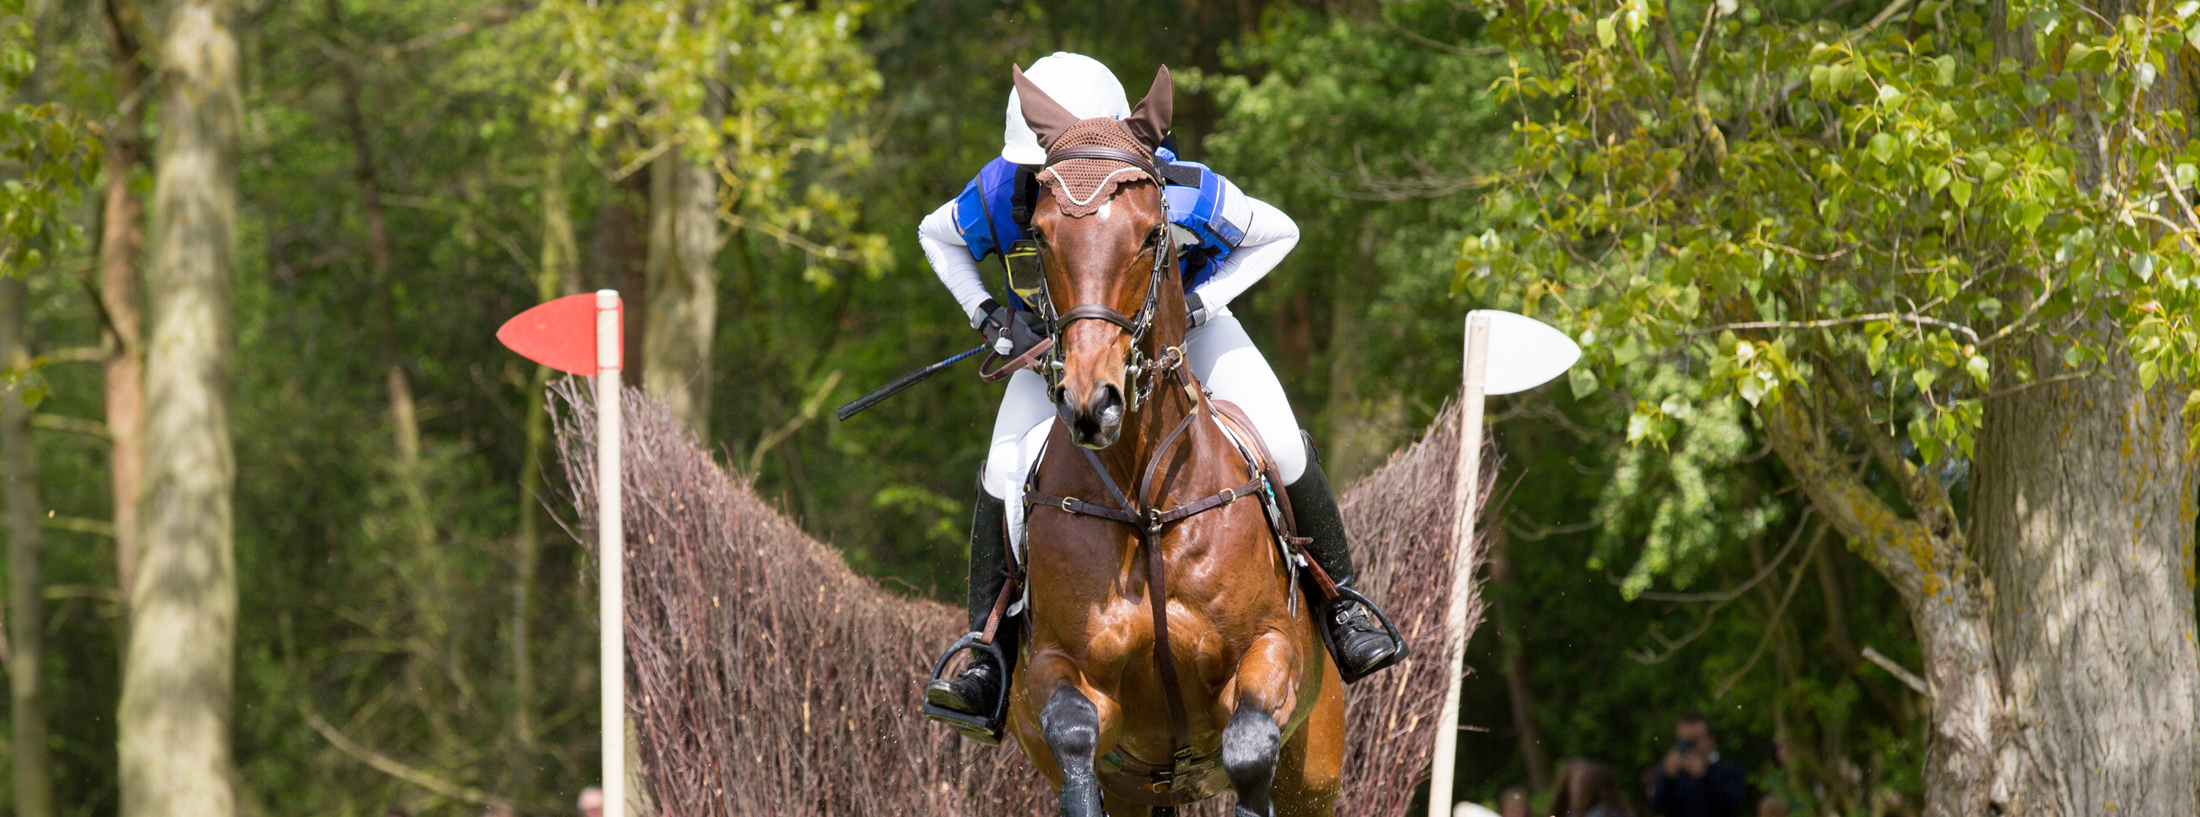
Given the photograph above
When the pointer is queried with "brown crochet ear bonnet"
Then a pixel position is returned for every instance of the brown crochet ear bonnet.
(1082, 185)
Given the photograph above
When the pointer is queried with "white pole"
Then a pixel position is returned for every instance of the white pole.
(1469, 471)
(611, 554)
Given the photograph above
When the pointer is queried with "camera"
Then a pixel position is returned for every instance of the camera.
(1687, 745)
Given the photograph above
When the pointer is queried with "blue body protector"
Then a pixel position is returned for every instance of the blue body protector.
(984, 217)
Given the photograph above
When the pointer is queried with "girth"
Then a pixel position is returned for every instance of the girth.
(1148, 520)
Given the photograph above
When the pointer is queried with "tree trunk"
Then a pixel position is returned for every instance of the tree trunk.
(1518, 688)
(619, 261)
(26, 544)
(381, 318)
(683, 288)
(26, 574)
(362, 154)
(1925, 559)
(121, 240)
(557, 275)
(177, 677)
(2084, 514)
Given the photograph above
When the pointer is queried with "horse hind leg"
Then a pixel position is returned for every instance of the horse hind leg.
(1071, 727)
(1250, 745)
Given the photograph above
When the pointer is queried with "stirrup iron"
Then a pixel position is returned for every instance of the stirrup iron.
(984, 729)
(1329, 640)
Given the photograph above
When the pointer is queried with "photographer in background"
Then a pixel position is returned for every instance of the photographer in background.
(1694, 781)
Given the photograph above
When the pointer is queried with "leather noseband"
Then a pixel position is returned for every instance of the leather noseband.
(1095, 312)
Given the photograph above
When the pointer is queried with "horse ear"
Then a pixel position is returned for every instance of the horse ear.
(1150, 120)
(1047, 118)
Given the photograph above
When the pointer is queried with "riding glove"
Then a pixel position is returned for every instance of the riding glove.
(1010, 332)
(1195, 311)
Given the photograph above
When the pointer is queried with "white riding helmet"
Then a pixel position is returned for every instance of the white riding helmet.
(1080, 83)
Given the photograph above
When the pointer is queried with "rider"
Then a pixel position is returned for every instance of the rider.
(1228, 240)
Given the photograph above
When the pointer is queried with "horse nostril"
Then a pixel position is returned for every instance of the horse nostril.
(1109, 406)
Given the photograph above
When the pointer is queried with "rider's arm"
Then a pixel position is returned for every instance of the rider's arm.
(1269, 236)
(950, 257)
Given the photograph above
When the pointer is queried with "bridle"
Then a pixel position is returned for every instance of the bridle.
(1054, 362)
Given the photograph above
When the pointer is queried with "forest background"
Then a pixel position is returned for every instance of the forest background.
(408, 173)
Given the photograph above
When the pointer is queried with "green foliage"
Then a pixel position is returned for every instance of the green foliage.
(1685, 502)
(1609, 673)
(1768, 193)
(1372, 134)
(47, 151)
(759, 91)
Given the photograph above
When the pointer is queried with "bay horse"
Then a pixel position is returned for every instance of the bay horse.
(1166, 658)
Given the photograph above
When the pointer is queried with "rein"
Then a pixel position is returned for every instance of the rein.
(1148, 520)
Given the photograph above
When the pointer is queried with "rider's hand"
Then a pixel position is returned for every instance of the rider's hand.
(1009, 332)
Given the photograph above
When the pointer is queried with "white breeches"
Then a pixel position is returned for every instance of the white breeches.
(1223, 359)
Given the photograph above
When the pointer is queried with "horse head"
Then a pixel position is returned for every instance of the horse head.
(1103, 237)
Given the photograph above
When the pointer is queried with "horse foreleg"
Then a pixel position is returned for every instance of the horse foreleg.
(1071, 727)
(1249, 748)
(1266, 691)
(1310, 774)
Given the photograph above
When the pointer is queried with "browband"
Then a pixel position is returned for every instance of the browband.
(1145, 163)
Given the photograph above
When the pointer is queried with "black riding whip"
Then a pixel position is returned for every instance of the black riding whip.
(850, 408)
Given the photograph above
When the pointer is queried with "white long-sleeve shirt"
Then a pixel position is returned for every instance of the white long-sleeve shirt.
(1269, 236)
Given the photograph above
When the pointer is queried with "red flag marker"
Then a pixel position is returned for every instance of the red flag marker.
(583, 335)
(561, 334)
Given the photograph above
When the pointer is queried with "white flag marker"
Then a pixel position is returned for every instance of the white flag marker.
(1505, 353)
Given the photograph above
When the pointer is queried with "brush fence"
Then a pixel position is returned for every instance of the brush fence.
(767, 678)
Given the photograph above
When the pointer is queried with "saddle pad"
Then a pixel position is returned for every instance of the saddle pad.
(1031, 451)
(1239, 427)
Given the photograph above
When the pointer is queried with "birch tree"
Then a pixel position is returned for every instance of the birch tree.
(175, 712)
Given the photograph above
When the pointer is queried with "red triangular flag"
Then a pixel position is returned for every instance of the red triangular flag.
(561, 334)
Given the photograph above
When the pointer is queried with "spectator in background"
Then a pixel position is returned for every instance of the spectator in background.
(1773, 805)
(591, 802)
(1694, 781)
(1587, 788)
(1513, 803)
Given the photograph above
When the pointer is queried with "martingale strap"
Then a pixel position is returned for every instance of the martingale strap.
(1148, 520)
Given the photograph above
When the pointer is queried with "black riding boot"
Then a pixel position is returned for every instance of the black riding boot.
(1358, 637)
(977, 691)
